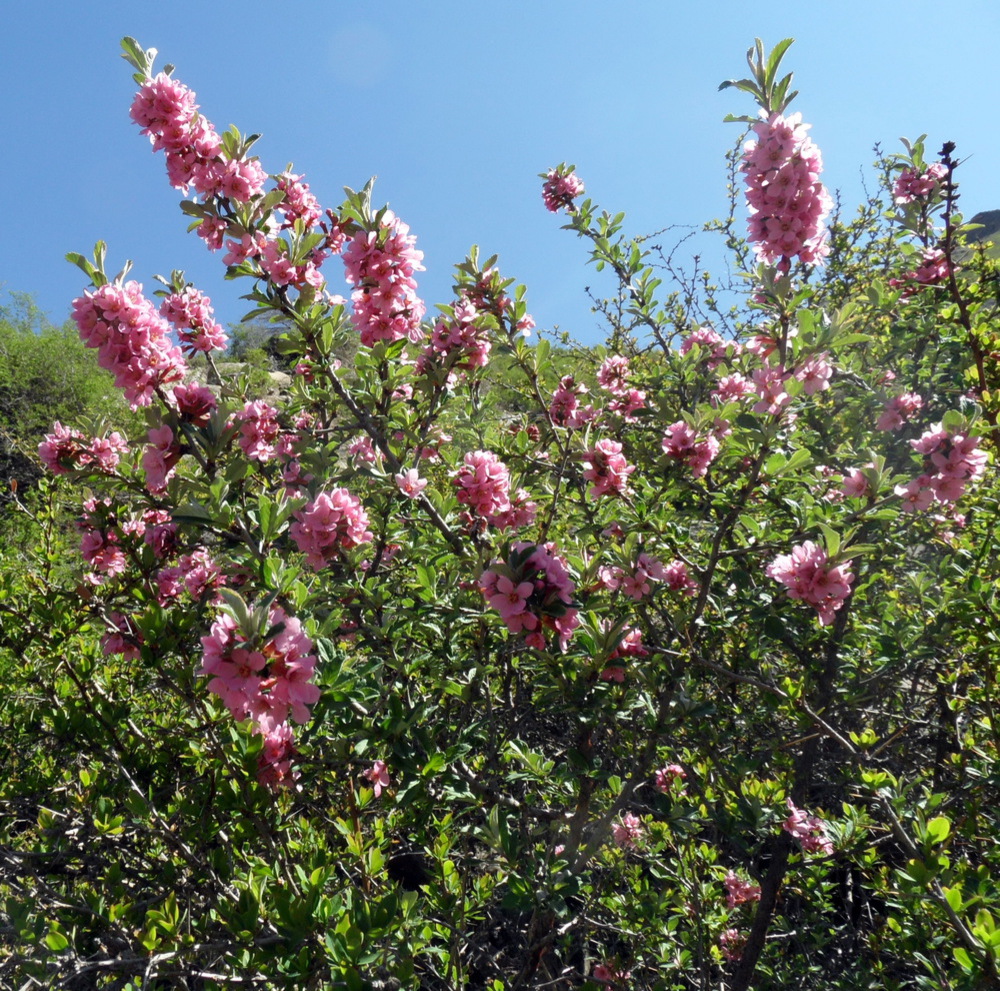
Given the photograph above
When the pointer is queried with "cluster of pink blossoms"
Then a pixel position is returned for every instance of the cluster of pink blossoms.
(912, 185)
(190, 313)
(932, 270)
(630, 645)
(732, 943)
(788, 204)
(259, 429)
(131, 339)
(647, 569)
(269, 681)
(628, 831)
(808, 575)
(533, 592)
(611, 973)
(952, 462)
(682, 443)
(739, 891)
(561, 187)
(459, 343)
(807, 829)
(160, 458)
(607, 469)
(666, 776)
(483, 484)
(66, 450)
(332, 522)
(565, 409)
(380, 265)
(899, 410)
(709, 340)
(612, 376)
(166, 111)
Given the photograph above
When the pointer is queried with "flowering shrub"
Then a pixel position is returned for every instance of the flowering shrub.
(469, 661)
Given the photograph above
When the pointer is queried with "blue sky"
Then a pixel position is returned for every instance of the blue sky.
(456, 107)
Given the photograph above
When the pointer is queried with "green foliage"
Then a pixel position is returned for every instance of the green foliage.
(543, 818)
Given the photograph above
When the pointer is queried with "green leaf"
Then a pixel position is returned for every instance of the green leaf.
(56, 941)
(938, 829)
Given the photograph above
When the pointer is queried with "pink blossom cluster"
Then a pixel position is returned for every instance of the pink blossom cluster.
(195, 403)
(647, 569)
(166, 111)
(739, 891)
(682, 443)
(899, 410)
(808, 575)
(190, 313)
(607, 469)
(332, 522)
(533, 592)
(299, 203)
(709, 341)
(732, 943)
(630, 645)
(259, 430)
(123, 638)
(932, 270)
(807, 829)
(483, 484)
(562, 185)
(267, 680)
(196, 573)
(462, 342)
(100, 544)
(131, 340)
(378, 776)
(160, 458)
(667, 775)
(952, 462)
(814, 374)
(380, 264)
(732, 388)
(769, 387)
(565, 409)
(66, 450)
(912, 185)
(628, 831)
(611, 973)
(613, 374)
(788, 204)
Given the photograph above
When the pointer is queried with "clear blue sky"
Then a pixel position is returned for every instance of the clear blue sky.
(456, 106)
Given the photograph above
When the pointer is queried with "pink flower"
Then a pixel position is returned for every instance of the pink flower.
(533, 592)
(607, 469)
(613, 374)
(160, 457)
(739, 891)
(808, 576)
(562, 185)
(788, 204)
(410, 483)
(259, 429)
(732, 943)
(683, 444)
(378, 775)
(483, 484)
(815, 374)
(666, 776)
(611, 973)
(912, 185)
(807, 829)
(628, 831)
(380, 264)
(333, 521)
